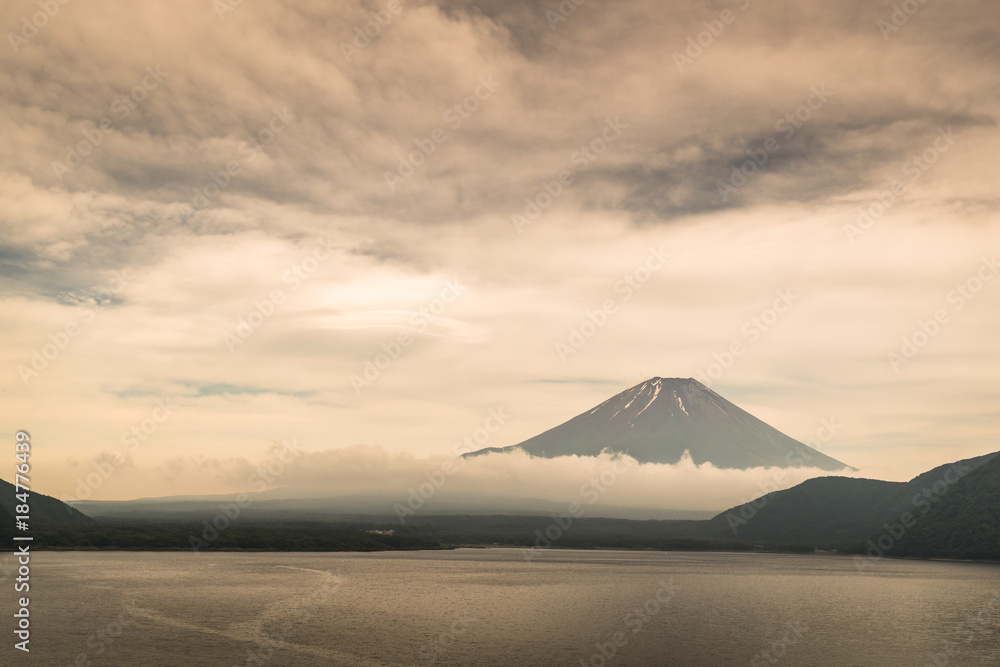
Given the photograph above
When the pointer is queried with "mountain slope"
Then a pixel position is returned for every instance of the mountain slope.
(824, 512)
(658, 420)
(831, 512)
(962, 522)
(46, 511)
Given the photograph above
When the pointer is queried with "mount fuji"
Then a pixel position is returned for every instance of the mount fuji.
(658, 420)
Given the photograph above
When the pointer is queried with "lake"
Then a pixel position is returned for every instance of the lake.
(494, 607)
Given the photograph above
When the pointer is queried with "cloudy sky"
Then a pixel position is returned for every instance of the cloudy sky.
(305, 221)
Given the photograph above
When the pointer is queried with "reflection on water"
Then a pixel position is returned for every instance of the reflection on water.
(491, 607)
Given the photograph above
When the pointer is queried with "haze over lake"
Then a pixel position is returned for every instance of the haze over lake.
(494, 607)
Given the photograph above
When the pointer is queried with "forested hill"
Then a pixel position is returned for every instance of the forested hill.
(843, 512)
(44, 511)
(963, 522)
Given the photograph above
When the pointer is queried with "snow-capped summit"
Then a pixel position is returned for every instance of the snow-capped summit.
(656, 421)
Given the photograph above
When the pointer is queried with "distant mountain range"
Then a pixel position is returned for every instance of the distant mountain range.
(302, 504)
(952, 511)
(656, 421)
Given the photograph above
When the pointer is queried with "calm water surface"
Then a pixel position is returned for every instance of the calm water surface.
(492, 607)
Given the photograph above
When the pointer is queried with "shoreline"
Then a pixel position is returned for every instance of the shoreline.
(456, 547)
